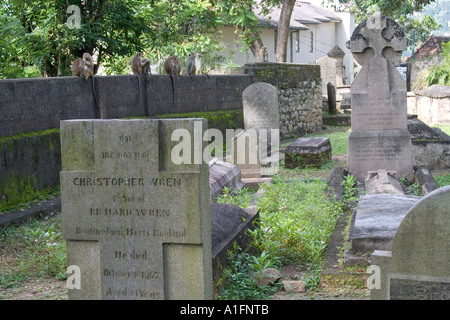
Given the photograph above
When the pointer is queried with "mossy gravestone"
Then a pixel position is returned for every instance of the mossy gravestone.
(137, 225)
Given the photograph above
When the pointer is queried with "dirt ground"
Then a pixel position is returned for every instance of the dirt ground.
(52, 289)
(37, 289)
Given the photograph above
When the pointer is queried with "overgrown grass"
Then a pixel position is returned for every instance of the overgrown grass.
(36, 249)
(443, 180)
(296, 222)
(338, 138)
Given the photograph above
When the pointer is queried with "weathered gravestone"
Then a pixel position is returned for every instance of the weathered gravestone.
(256, 148)
(418, 266)
(331, 90)
(379, 137)
(136, 224)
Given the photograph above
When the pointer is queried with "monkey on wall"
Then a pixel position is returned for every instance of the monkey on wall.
(172, 65)
(84, 68)
(190, 64)
(263, 54)
(140, 65)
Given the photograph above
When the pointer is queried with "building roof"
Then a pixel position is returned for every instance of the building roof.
(431, 47)
(304, 13)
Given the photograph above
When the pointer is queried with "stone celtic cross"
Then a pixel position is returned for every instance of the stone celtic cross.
(379, 89)
(379, 139)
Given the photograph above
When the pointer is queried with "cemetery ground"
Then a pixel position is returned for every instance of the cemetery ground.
(297, 221)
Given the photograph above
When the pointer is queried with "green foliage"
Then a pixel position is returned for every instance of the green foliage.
(296, 222)
(443, 180)
(350, 188)
(242, 198)
(39, 248)
(241, 285)
(440, 74)
(36, 41)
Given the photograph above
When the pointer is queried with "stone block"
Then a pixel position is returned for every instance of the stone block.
(305, 152)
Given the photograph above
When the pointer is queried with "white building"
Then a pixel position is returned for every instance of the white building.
(314, 31)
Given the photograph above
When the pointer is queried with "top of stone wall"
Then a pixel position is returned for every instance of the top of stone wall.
(283, 75)
(435, 91)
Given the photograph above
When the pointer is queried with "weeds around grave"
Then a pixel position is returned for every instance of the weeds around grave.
(296, 222)
(36, 249)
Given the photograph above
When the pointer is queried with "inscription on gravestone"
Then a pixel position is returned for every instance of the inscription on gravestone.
(137, 225)
(402, 288)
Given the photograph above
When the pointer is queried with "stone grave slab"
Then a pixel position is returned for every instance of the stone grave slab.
(136, 223)
(375, 221)
(308, 152)
(418, 265)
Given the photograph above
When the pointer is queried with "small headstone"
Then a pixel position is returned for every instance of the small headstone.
(255, 148)
(383, 181)
(260, 107)
(379, 137)
(304, 152)
(136, 223)
(331, 91)
(418, 265)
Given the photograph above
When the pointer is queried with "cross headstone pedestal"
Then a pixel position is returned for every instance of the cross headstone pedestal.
(379, 137)
(136, 224)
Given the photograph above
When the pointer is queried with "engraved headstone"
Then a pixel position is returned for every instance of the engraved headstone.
(418, 266)
(255, 149)
(136, 223)
(260, 106)
(379, 137)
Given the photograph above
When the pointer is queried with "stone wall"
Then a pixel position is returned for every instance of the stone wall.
(299, 93)
(433, 105)
(38, 104)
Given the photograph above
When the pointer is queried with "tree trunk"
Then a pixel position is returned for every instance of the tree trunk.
(256, 46)
(283, 29)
